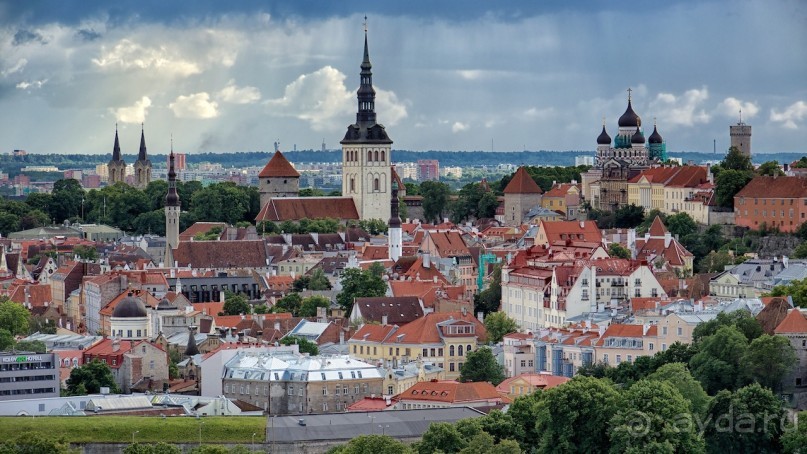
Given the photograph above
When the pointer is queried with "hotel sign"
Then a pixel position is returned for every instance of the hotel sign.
(21, 359)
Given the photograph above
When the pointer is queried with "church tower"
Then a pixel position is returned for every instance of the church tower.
(116, 167)
(366, 170)
(278, 179)
(395, 232)
(172, 211)
(142, 167)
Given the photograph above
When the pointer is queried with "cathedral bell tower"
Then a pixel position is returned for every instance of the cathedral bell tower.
(142, 167)
(366, 171)
(116, 168)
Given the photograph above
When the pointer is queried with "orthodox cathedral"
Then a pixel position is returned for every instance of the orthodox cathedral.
(620, 159)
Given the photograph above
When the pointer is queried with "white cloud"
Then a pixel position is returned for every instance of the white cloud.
(390, 110)
(459, 127)
(320, 98)
(533, 112)
(197, 105)
(127, 55)
(135, 113)
(682, 110)
(24, 85)
(19, 66)
(239, 95)
(788, 117)
(730, 107)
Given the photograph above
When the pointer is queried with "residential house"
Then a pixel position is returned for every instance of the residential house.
(772, 202)
(527, 383)
(132, 363)
(448, 394)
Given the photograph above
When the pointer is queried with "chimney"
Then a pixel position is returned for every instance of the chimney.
(427, 259)
(277, 326)
(480, 316)
(667, 239)
(115, 345)
(601, 330)
(383, 320)
(645, 328)
(341, 337)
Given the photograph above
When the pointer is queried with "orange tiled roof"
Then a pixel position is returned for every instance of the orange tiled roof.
(452, 392)
(279, 166)
(296, 208)
(522, 183)
(369, 404)
(199, 227)
(657, 228)
(620, 330)
(775, 187)
(795, 322)
(373, 333)
(572, 230)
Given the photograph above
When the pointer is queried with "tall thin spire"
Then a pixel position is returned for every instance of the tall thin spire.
(116, 147)
(172, 198)
(142, 155)
(366, 93)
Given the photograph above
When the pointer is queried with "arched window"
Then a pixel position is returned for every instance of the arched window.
(459, 350)
(451, 351)
(376, 186)
(376, 155)
(468, 348)
(383, 156)
(352, 184)
(369, 156)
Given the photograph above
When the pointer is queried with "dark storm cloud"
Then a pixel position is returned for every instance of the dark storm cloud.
(87, 34)
(27, 36)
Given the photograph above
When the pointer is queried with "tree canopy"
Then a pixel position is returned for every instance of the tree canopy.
(90, 378)
(13, 317)
(497, 325)
(481, 365)
(235, 304)
(305, 345)
(357, 283)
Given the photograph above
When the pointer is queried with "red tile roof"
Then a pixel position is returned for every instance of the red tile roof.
(278, 166)
(452, 392)
(775, 187)
(795, 322)
(222, 254)
(522, 183)
(296, 208)
(370, 404)
(448, 243)
(620, 330)
(683, 176)
(199, 227)
(657, 228)
(560, 190)
(563, 230)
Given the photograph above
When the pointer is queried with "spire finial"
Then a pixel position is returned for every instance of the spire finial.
(603, 121)
(741, 116)
(365, 24)
(654, 122)
(172, 143)
(629, 92)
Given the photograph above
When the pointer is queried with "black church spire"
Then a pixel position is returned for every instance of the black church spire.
(394, 217)
(366, 94)
(142, 155)
(116, 148)
(172, 198)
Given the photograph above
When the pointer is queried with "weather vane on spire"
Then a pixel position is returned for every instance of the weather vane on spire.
(172, 142)
(365, 23)
(629, 91)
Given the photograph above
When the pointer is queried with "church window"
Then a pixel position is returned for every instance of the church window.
(376, 186)
(352, 185)
(383, 155)
(369, 156)
(376, 155)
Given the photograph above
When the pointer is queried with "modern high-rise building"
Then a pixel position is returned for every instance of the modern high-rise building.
(428, 170)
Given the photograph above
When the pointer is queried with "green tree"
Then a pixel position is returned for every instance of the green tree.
(642, 228)
(90, 378)
(318, 281)
(6, 339)
(309, 306)
(358, 283)
(797, 289)
(372, 444)
(235, 304)
(13, 317)
(435, 199)
(770, 168)
(481, 365)
(677, 375)
(654, 417)
(441, 437)
(488, 301)
(575, 416)
(728, 183)
(801, 250)
(497, 325)
(768, 360)
(746, 323)
(501, 426)
(9, 222)
(717, 364)
(86, 252)
(794, 440)
(715, 262)
(155, 194)
(33, 219)
(66, 199)
(628, 216)
(31, 346)
(305, 345)
(32, 443)
(748, 420)
(150, 222)
(681, 224)
(156, 448)
(524, 411)
(484, 443)
(618, 251)
(736, 160)
(290, 303)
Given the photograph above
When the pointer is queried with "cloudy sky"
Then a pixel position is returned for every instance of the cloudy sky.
(449, 75)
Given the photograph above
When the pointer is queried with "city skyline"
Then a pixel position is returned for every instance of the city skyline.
(453, 76)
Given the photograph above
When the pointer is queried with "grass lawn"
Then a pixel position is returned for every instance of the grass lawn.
(119, 429)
